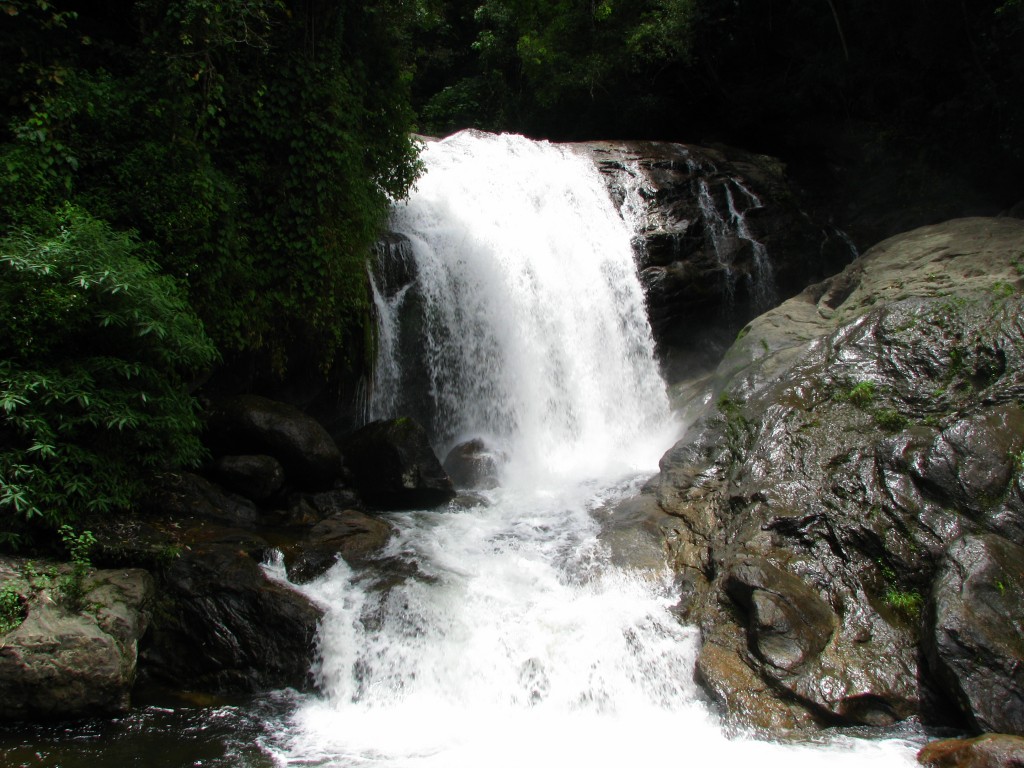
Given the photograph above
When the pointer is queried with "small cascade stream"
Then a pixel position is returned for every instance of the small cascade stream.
(505, 631)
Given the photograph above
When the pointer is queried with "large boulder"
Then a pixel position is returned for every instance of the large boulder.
(473, 465)
(394, 466)
(250, 424)
(223, 624)
(77, 660)
(848, 436)
(974, 639)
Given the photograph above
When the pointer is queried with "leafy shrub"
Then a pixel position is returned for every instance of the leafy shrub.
(96, 347)
(12, 609)
(72, 585)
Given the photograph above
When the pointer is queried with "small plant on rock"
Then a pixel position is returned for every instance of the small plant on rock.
(862, 394)
(72, 585)
(1018, 461)
(890, 420)
(12, 609)
(908, 604)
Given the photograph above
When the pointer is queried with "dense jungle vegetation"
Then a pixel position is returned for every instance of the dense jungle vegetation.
(189, 184)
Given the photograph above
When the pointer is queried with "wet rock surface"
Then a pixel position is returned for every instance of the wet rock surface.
(850, 495)
(247, 424)
(394, 467)
(974, 638)
(254, 477)
(993, 750)
(70, 660)
(223, 625)
(721, 239)
(472, 465)
(223, 621)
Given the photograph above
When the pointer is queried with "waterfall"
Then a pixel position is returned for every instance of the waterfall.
(504, 633)
(726, 226)
(534, 333)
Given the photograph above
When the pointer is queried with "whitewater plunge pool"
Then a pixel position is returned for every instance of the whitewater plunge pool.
(509, 640)
(505, 633)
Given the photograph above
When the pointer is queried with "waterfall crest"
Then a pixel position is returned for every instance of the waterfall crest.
(532, 321)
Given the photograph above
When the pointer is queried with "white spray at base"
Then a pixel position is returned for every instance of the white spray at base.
(502, 634)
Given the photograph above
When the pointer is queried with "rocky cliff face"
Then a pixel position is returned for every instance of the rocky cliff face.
(721, 239)
(847, 511)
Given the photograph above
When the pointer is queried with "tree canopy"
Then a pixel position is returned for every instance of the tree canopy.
(183, 180)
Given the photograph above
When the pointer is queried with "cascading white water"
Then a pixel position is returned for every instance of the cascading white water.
(535, 332)
(502, 634)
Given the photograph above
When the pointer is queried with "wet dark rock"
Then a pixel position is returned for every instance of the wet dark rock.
(248, 424)
(787, 621)
(63, 661)
(844, 441)
(725, 674)
(975, 631)
(254, 477)
(187, 495)
(992, 750)
(393, 264)
(472, 465)
(721, 240)
(351, 535)
(394, 467)
(223, 625)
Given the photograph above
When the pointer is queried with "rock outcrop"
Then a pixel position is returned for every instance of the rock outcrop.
(721, 238)
(223, 625)
(71, 660)
(394, 467)
(222, 621)
(248, 424)
(850, 498)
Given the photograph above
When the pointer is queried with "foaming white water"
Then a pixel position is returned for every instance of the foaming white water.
(535, 330)
(503, 634)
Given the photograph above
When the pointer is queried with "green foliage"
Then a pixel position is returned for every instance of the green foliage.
(1003, 289)
(908, 604)
(72, 585)
(1018, 461)
(12, 609)
(862, 394)
(96, 349)
(890, 420)
(553, 65)
(255, 143)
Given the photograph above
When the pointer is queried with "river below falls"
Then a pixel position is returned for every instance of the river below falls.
(505, 634)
